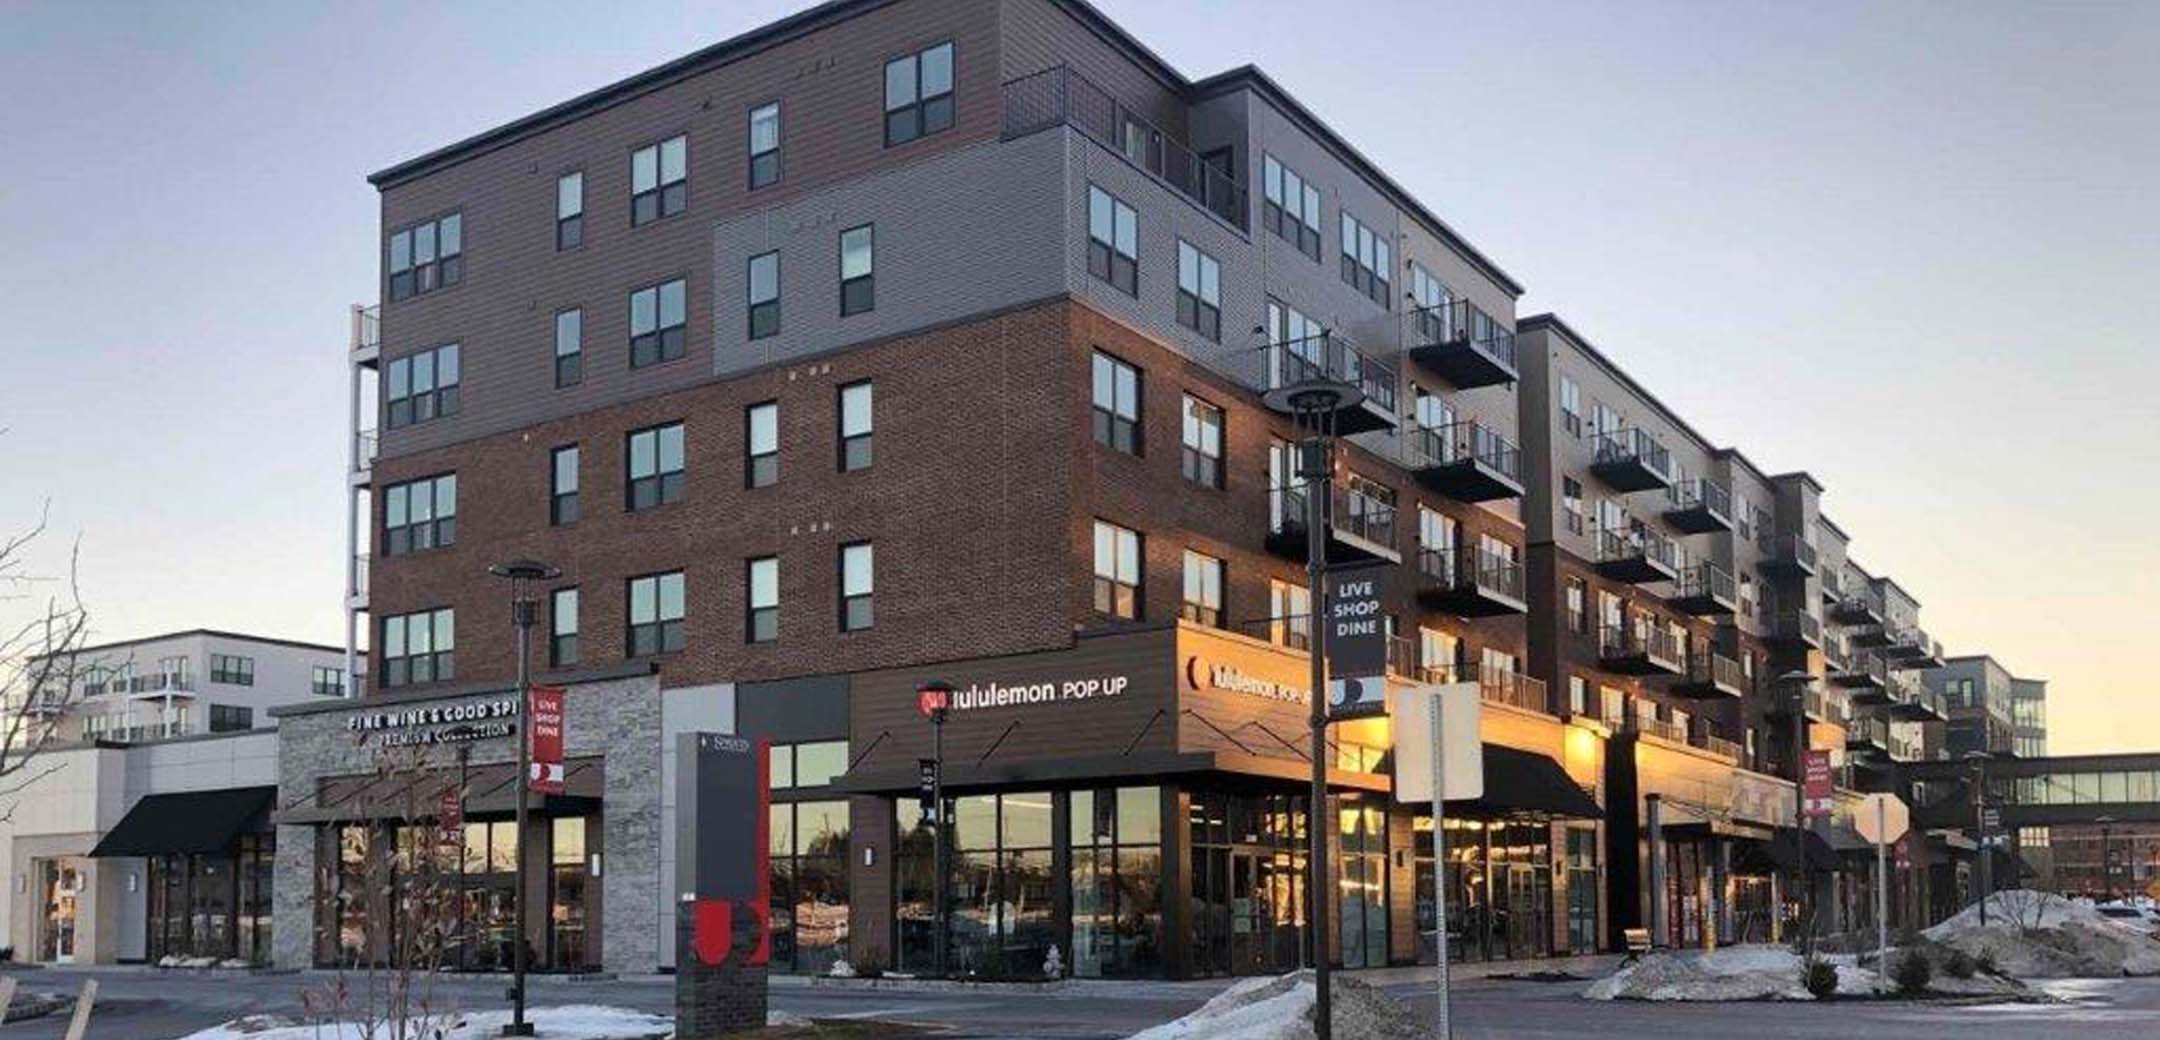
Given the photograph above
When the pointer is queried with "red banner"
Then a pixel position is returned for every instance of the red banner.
(1815, 796)
(544, 723)
(450, 819)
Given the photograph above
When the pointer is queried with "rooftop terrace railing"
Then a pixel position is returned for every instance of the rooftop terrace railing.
(1059, 96)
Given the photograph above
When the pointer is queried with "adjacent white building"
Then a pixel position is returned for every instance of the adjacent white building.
(194, 682)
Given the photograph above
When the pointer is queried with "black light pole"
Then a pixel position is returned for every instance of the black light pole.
(523, 575)
(1980, 835)
(1799, 680)
(2107, 858)
(934, 697)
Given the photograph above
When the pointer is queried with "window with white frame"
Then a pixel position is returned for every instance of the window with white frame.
(1289, 614)
(1202, 450)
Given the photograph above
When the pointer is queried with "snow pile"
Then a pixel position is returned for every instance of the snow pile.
(1281, 1008)
(2041, 936)
(1747, 972)
(574, 1022)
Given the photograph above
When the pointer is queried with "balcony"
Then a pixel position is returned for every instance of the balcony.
(1462, 345)
(1640, 650)
(1815, 706)
(1704, 588)
(1861, 606)
(1465, 461)
(1060, 97)
(1873, 637)
(1911, 700)
(1710, 674)
(1796, 628)
(1636, 554)
(1467, 581)
(1791, 556)
(1837, 652)
(1870, 734)
(1360, 528)
(1705, 740)
(365, 445)
(356, 596)
(1292, 631)
(1511, 688)
(1663, 729)
(1280, 370)
(1902, 750)
(1906, 642)
(364, 346)
(1930, 656)
(1632, 460)
(1863, 673)
(1699, 506)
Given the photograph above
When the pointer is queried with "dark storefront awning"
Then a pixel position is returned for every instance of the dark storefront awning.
(1777, 852)
(1842, 838)
(195, 821)
(1525, 783)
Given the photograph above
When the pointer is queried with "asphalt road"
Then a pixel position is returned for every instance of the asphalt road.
(136, 1004)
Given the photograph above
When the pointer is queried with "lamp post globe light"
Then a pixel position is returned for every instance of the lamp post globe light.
(524, 577)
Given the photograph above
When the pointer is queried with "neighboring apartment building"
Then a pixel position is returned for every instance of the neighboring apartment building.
(198, 681)
(929, 339)
(1980, 695)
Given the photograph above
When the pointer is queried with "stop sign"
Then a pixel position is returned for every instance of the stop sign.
(1881, 818)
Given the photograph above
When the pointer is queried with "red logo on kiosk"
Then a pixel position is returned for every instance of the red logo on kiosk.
(933, 699)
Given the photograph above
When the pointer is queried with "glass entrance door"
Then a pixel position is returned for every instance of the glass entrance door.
(61, 881)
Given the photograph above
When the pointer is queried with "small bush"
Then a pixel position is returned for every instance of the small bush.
(868, 966)
(1820, 977)
(1958, 964)
(1912, 972)
(1985, 961)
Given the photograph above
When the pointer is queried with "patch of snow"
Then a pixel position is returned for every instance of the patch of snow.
(2043, 936)
(1745, 972)
(1281, 1008)
(572, 1022)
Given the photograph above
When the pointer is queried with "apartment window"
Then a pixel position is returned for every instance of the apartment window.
(563, 486)
(1203, 589)
(563, 627)
(420, 514)
(855, 427)
(919, 94)
(1612, 705)
(764, 145)
(326, 681)
(1199, 291)
(659, 180)
(419, 648)
(232, 669)
(231, 718)
(427, 256)
(1571, 504)
(763, 589)
(858, 270)
(423, 386)
(763, 282)
(569, 347)
(570, 210)
(1292, 207)
(1117, 404)
(1202, 454)
(656, 467)
(1366, 260)
(1289, 615)
(1434, 302)
(1113, 241)
(1439, 652)
(761, 444)
(659, 323)
(656, 614)
(1117, 570)
(1578, 695)
(858, 578)
(1578, 605)
(1437, 531)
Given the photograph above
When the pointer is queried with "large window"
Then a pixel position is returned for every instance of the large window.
(1367, 260)
(764, 145)
(563, 627)
(656, 467)
(1203, 600)
(326, 681)
(763, 303)
(1292, 207)
(563, 486)
(1116, 843)
(427, 256)
(1199, 291)
(762, 596)
(761, 444)
(1117, 404)
(809, 870)
(422, 386)
(659, 323)
(419, 647)
(656, 614)
(1001, 886)
(815, 763)
(1289, 615)
(232, 669)
(659, 180)
(1201, 457)
(420, 514)
(858, 579)
(856, 427)
(569, 347)
(919, 94)
(1113, 241)
(1117, 570)
(570, 210)
(858, 270)
(229, 718)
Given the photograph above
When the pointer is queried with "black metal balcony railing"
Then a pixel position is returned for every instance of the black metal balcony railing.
(1466, 570)
(1663, 729)
(1636, 553)
(1699, 505)
(1797, 626)
(1325, 357)
(1468, 347)
(1060, 97)
(1364, 516)
(1794, 553)
(1290, 630)
(1654, 645)
(1632, 460)
(1705, 588)
(1469, 442)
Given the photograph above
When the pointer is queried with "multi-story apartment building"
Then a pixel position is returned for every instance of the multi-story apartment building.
(2028, 717)
(933, 339)
(198, 681)
(1982, 714)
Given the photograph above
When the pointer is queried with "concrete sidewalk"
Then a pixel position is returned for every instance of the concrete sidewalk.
(1588, 967)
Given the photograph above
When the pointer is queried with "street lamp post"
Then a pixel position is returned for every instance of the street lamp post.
(2107, 858)
(934, 698)
(1980, 836)
(523, 576)
(1799, 679)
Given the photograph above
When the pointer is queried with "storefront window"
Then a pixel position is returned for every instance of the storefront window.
(809, 856)
(566, 893)
(1499, 888)
(1362, 886)
(1116, 881)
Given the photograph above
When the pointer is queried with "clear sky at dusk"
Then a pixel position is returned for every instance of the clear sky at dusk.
(1910, 248)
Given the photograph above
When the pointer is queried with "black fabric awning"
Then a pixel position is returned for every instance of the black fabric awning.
(1842, 838)
(1525, 783)
(1777, 852)
(194, 821)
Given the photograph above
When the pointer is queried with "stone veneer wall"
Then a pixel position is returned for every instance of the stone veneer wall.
(618, 718)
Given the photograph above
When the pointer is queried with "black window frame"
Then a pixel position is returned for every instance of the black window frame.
(439, 400)
(437, 531)
(857, 610)
(1194, 461)
(1106, 259)
(662, 486)
(563, 648)
(564, 506)
(1199, 309)
(761, 624)
(756, 310)
(663, 342)
(665, 634)
(326, 681)
(758, 172)
(569, 227)
(856, 451)
(420, 277)
(1108, 586)
(1290, 225)
(667, 197)
(398, 670)
(1121, 433)
(232, 669)
(858, 294)
(231, 718)
(922, 115)
(760, 468)
(1368, 274)
(570, 364)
